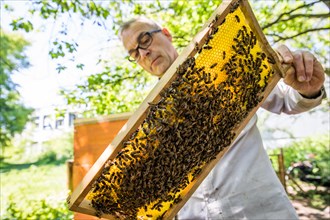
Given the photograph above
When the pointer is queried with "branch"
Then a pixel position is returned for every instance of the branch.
(288, 13)
(327, 3)
(296, 35)
(160, 9)
(327, 15)
(306, 16)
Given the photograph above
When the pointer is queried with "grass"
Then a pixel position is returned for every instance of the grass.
(35, 186)
(33, 183)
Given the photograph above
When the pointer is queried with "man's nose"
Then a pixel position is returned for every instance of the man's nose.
(144, 52)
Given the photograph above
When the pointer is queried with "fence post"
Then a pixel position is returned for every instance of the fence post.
(281, 168)
(69, 167)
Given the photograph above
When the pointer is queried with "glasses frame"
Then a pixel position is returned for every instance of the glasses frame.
(149, 33)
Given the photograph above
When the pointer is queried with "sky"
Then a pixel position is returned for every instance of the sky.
(40, 84)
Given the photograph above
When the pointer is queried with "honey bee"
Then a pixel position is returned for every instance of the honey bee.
(200, 69)
(244, 27)
(223, 21)
(239, 33)
(216, 18)
(248, 50)
(197, 46)
(213, 65)
(215, 77)
(207, 47)
(234, 6)
(213, 30)
(271, 60)
(237, 19)
(146, 131)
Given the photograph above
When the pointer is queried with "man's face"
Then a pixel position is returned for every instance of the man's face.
(159, 56)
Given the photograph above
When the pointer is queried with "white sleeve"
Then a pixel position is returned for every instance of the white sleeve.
(285, 99)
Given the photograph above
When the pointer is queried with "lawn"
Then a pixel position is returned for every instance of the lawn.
(28, 187)
(35, 186)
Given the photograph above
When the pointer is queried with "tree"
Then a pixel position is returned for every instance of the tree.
(120, 86)
(13, 114)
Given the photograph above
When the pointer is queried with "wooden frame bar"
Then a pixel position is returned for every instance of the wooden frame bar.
(77, 201)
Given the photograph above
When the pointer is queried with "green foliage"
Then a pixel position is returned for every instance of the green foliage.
(38, 209)
(13, 114)
(34, 185)
(34, 192)
(21, 24)
(54, 151)
(116, 90)
(316, 198)
(104, 92)
(60, 149)
(280, 20)
(300, 150)
(300, 24)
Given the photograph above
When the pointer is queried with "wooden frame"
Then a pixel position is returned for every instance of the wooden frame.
(77, 201)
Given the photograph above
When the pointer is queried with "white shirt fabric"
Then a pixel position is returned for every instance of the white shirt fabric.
(243, 185)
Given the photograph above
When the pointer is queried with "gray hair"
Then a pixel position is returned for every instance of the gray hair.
(140, 19)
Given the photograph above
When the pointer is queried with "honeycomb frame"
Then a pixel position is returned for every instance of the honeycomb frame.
(176, 79)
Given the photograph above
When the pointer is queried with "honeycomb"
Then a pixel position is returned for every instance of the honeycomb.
(193, 121)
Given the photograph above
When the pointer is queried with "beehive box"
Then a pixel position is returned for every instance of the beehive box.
(187, 122)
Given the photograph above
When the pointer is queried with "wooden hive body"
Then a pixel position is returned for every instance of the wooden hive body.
(187, 122)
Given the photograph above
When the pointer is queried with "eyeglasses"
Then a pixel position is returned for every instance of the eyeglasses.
(144, 41)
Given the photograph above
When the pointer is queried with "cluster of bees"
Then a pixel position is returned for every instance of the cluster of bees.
(194, 119)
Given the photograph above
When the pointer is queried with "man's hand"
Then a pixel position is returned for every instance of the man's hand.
(306, 74)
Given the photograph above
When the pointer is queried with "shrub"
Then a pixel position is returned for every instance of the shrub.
(314, 149)
(56, 150)
(37, 209)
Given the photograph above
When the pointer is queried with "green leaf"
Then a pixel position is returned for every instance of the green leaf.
(80, 66)
(60, 68)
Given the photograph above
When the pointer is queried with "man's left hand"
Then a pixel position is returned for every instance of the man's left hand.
(306, 74)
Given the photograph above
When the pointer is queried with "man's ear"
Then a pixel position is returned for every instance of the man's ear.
(167, 33)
